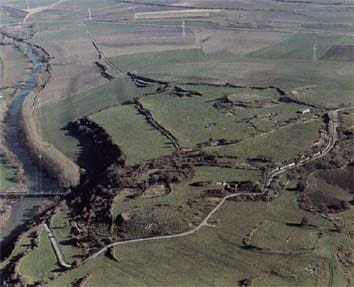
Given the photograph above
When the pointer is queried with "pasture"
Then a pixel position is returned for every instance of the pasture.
(281, 145)
(326, 78)
(300, 46)
(211, 173)
(60, 226)
(7, 176)
(280, 237)
(138, 140)
(54, 117)
(46, 262)
(215, 256)
(195, 126)
(133, 62)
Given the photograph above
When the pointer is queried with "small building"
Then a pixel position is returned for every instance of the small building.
(304, 111)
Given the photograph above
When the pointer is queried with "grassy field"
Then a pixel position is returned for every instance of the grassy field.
(138, 140)
(207, 173)
(6, 175)
(214, 256)
(6, 172)
(13, 66)
(281, 237)
(54, 117)
(138, 61)
(61, 229)
(179, 196)
(326, 78)
(44, 258)
(300, 46)
(22, 245)
(280, 145)
(192, 126)
(12, 71)
(52, 31)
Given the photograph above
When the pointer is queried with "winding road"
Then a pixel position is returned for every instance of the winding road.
(333, 125)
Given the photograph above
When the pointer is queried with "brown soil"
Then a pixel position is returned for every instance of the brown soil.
(339, 53)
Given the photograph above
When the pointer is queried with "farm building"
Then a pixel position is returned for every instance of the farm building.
(304, 111)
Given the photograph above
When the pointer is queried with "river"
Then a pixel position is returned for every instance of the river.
(36, 180)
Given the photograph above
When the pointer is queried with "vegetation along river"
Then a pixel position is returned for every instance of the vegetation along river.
(36, 179)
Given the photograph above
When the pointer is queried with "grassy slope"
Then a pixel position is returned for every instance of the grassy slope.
(44, 259)
(54, 117)
(138, 140)
(270, 66)
(13, 69)
(213, 256)
(281, 145)
(138, 61)
(300, 46)
(6, 173)
(61, 230)
(21, 246)
(206, 173)
(183, 192)
(192, 126)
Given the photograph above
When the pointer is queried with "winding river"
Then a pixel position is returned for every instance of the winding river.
(36, 179)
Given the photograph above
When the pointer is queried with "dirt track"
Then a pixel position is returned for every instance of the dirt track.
(333, 139)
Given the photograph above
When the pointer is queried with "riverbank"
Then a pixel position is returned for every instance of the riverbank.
(17, 141)
(45, 155)
(15, 69)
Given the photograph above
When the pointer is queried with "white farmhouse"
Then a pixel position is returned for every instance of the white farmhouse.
(304, 111)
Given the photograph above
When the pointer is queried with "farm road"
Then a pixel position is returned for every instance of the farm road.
(334, 123)
(56, 248)
(33, 11)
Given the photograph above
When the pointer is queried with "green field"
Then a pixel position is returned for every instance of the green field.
(130, 130)
(7, 176)
(281, 145)
(41, 262)
(191, 125)
(207, 173)
(172, 214)
(52, 31)
(61, 230)
(54, 117)
(21, 246)
(284, 238)
(142, 60)
(300, 46)
(327, 78)
(214, 256)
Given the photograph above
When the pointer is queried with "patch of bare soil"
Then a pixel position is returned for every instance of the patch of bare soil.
(339, 53)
